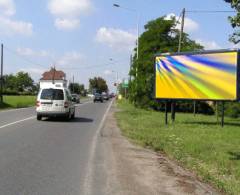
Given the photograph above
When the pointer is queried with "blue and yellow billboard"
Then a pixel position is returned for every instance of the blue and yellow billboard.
(200, 76)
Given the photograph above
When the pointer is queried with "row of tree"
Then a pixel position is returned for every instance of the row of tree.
(20, 83)
(162, 36)
(97, 85)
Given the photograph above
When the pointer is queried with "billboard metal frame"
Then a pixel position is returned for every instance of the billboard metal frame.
(197, 53)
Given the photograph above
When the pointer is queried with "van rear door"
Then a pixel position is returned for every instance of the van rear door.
(52, 100)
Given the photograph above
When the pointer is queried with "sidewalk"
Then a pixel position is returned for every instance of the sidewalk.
(135, 170)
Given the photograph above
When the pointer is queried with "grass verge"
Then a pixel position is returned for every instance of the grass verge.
(198, 143)
(17, 102)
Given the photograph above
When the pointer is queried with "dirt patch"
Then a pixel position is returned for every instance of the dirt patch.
(135, 170)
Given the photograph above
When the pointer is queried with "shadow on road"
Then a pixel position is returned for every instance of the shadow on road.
(75, 120)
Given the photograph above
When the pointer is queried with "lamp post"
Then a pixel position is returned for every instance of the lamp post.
(138, 32)
(138, 22)
(114, 71)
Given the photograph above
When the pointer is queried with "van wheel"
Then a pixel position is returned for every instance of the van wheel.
(73, 115)
(68, 116)
(39, 117)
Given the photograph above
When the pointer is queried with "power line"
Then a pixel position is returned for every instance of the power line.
(23, 58)
(210, 11)
(40, 65)
(180, 15)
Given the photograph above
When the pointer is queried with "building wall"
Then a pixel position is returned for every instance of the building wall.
(49, 83)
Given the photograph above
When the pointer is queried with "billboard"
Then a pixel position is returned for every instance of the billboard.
(206, 75)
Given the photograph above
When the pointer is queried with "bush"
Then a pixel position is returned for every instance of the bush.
(185, 106)
(10, 92)
(232, 109)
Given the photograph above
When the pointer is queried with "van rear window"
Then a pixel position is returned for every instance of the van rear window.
(52, 94)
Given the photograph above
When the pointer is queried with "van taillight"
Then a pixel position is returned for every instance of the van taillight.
(66, 105)
(37, 103)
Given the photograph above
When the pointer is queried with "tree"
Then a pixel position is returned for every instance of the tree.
(235, 20)
(10, 82)
(160, 36)
(74, 88)
(24, 81)
(13, 84)
(77, 88)
(98, 84)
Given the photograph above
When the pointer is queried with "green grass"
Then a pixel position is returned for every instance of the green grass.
(197, 143)
(17, 102)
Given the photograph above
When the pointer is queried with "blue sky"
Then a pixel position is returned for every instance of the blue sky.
(80, 36)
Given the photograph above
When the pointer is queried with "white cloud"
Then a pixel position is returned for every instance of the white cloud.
(7, 7)
(71, 59)
(24, 51)
(69, 8)
(66, 24)
(208, 44)
(108, 72)
(9, 26)
(35, 71)
(67, 12)
(189, 25)
(116, 38)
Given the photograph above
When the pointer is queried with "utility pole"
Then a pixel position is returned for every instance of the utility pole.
(73, 85)
(181, 32)
(53, 77)
(131, 63)
(1, 87)
(179, 50)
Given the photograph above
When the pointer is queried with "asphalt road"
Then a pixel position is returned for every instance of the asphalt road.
(50, 157)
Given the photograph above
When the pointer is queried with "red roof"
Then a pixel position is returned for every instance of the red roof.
(53, 74)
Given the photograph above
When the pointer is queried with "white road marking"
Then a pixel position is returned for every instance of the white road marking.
(89, 175)
(10, 110)
(13, 123)
(32, 117)
(81, 104)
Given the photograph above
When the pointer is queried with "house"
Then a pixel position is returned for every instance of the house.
(53, 78)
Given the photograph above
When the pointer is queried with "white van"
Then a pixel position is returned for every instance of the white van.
(55, 102)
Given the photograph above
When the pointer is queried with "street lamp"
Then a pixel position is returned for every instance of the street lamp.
(138, 15)
(113, 71)
(116, 5)
(113, 61)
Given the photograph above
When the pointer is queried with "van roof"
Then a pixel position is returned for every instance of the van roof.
(52, 87)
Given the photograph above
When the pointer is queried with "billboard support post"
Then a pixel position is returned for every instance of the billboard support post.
(217, 110)
(194, 107)
(173, 111)
(222, 121)
(1, 86)
(166, 113)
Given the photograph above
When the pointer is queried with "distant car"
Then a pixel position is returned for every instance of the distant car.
(75, 98)
(112, 95)
(97, 97)
(90, 95)
(105, 96)
(54, 102)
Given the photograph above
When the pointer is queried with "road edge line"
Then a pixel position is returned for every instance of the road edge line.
(16, 122)
(88, 176)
